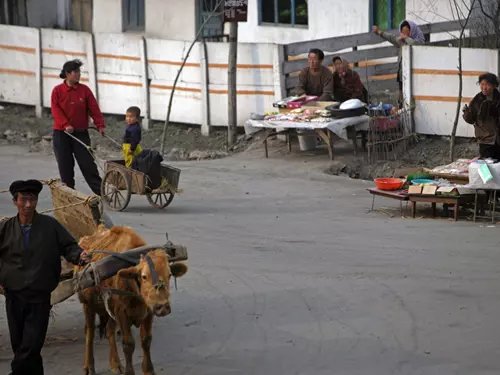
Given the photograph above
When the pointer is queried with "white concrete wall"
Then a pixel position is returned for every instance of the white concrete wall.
(119, 73)
(171, 19)
(434, 85)
(107, 16)
(18, 65)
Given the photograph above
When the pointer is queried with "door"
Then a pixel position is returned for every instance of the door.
(133, 15)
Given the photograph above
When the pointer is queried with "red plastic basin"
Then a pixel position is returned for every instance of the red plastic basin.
(389, 183)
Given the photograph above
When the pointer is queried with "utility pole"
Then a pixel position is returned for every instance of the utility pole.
(232, 113)
(234, 11)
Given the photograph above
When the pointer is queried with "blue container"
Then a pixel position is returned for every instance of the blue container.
(423, 181)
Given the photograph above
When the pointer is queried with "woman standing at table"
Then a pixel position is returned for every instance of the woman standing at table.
(484, 113)
(71, 104)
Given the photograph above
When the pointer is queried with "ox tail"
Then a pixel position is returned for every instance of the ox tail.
(103, 321)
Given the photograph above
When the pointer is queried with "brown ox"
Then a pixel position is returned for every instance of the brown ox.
(144, 299)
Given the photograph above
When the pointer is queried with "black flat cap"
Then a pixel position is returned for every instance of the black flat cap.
(28, 186)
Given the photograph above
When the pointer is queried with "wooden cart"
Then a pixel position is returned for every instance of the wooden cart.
(120, 182)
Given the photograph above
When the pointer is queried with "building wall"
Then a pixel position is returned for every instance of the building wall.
(107, 16)
(119, 77)
(433, 85)
(327, 18)
(171, 19)
(436, 11)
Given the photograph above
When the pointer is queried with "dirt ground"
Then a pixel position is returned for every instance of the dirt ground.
(289, 274)
(23, 127)
(18, 125)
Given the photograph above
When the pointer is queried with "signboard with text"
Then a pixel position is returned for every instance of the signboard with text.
(235, 10)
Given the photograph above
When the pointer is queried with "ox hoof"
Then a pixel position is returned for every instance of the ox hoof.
(117, 370)
(89, 371)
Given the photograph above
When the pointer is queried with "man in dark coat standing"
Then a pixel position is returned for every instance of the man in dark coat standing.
(71, 104)
(31, 246)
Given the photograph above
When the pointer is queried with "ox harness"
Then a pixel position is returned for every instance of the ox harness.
(107, 292)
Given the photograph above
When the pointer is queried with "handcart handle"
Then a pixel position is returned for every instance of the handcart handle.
(107, 136)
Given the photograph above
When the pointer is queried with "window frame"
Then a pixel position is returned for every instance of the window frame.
(389, 14)
(276, 16)
(126, 25)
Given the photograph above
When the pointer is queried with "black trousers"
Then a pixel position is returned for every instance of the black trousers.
(489, 151)
(67, 150)
(28, 321)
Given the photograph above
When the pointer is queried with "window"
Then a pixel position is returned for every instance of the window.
(285, 12)
(133, 15)
(214, 28)
(388, 14)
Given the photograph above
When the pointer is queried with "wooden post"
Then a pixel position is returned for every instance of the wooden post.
(231, 83)
(145, 112)
(92, 66)
(205, 90)
(39, 75)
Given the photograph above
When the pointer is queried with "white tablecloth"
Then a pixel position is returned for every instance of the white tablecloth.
(336, 126)
(475, 180)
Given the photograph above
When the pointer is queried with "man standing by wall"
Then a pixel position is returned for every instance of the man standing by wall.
(71, 104)
(31, 246)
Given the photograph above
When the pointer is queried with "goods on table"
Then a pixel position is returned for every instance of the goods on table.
(461, 166)
(351, 104)
(302, 115)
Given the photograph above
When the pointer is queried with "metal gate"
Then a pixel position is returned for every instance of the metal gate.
(133, 15)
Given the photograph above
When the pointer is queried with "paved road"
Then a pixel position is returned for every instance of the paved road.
(289, 275)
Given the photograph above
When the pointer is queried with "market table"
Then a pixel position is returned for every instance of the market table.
(324, 130)
(400, 195)
(455, 201)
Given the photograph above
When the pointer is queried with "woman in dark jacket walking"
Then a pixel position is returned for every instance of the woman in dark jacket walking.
(484, 113)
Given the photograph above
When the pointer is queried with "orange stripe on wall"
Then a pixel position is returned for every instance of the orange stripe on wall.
(214, 91)
(119, 57)
(163, 87)
(17, 72)
(175, 63)
(62, 52)
(440, 98)
(243, 92)
(468, 73)
(241, 66)
(109, 82)
(19, 49)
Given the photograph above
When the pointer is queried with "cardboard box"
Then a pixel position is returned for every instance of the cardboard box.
(429, 190)
(415, 189)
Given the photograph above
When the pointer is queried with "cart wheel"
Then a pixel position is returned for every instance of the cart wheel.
(160, 200)
(115, 190)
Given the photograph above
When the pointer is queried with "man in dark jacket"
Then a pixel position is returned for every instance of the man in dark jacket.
(484, 113)
(31, 246)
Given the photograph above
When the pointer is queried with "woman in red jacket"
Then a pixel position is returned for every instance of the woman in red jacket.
(71, 105)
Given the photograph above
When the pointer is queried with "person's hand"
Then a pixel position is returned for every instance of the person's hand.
(69, 129)
(103, 133)
(84, 256)
(403, 36)
(466, 108)
(130, 152)
(375, 29)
